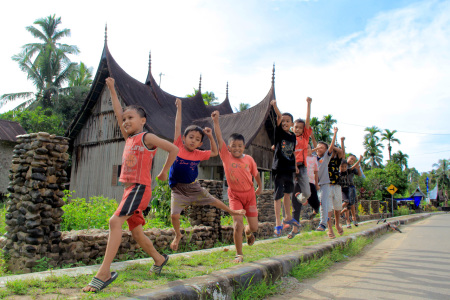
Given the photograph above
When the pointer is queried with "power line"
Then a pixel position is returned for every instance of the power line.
(431, 153)
(398, 130)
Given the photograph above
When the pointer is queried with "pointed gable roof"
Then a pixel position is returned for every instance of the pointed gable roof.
(160, 105)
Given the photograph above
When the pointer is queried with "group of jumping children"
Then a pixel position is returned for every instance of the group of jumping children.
(327, 175)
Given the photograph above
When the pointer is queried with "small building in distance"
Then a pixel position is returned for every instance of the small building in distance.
(96, 143)
(8, 132)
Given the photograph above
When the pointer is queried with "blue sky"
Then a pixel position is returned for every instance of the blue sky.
(382, 63)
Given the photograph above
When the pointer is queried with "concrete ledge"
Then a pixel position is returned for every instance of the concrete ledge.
(221, 284)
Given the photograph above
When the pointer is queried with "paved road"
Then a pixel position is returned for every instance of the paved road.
(414, 264)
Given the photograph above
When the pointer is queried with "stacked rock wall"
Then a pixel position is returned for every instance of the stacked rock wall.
(37, 179)
(208, 215)
(264, 203)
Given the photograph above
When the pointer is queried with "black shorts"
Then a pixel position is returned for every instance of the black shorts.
(284, 184)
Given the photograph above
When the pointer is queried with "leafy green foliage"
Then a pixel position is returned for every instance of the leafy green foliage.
(377, 180)
(258, 290)
(36, 120)
(161, 201)
(3, 212)
(81, 214)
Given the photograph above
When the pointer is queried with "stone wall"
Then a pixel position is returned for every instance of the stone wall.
(37, 179)
(266, 211)
(208, 215)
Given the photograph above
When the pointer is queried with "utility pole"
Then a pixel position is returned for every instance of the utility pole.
(160, 74)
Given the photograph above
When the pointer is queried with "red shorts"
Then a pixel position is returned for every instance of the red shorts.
(243, 200)
(135, 199)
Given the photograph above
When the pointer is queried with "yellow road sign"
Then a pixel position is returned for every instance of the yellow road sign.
(392, 189)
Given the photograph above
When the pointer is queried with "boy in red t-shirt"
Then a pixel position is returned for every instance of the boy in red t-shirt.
(140, 148)
(186, 190)
(302, 190)
(239, 170)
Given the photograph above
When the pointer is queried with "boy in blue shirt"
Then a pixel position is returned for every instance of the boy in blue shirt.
(186, 190)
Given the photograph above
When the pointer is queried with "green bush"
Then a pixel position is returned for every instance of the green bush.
(81, 214)
(2, 219)
(161, 201)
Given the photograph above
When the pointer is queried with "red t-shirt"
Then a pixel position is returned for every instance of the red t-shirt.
(301, 147)
(137, 161)
(238, 171)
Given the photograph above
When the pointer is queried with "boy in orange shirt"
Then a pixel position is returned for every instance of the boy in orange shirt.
(302, 191)
(239, 170)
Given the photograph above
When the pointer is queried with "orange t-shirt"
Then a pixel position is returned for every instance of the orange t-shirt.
(238, 171)
(137, 161)
(301, 146)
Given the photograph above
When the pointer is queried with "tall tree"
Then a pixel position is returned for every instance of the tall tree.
(400, 159)
(389, 137)
(372, 133)
(443, 173)
(46, 63)
(373, 152)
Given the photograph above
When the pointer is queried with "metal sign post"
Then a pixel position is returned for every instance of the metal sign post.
(392, 189)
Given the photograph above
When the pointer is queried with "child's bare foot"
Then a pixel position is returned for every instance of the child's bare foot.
(175, 242)
(240, 212)
(340, 230)
(331, 234)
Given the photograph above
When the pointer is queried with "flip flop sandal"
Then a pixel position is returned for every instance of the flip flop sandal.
(292, 234)
(355, 223)
(240, 258)
(340, 231)
(320, 228)
(277, 231)
(331, 235)
(292, 222)
(157, 269)
(349, 226)
(250, 239)
(99, 285)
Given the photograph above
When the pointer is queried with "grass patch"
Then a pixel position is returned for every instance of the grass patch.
(258, 290)
(311, 268)
(136, 276)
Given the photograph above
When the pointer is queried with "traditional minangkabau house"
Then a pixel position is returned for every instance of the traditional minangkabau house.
(97, 144)
(8, 132)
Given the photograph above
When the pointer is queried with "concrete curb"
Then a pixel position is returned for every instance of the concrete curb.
(221, 284)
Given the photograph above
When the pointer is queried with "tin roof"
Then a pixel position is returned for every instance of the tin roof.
(9, 130)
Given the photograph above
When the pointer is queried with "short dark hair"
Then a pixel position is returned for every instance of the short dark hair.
(289, 115)
(236, 137)
(300, 121)
(139, 109)
(351, 154)
(344, 162)
(323, 143)
(194, 128)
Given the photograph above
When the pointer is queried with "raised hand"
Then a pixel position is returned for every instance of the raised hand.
(215, 115)
(273, 102)
(207, 131)
(178, 103)
(335, 129)
(110, 82)
(309, 100)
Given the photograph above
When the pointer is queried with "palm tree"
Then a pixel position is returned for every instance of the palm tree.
(80, 79)
(372, 133)
(389, 137)
(400, 159)
(243, 106)
(315, 125)
(443, 172)
(208, 97)
(45, 63)
(373, 152)
(328, 122)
